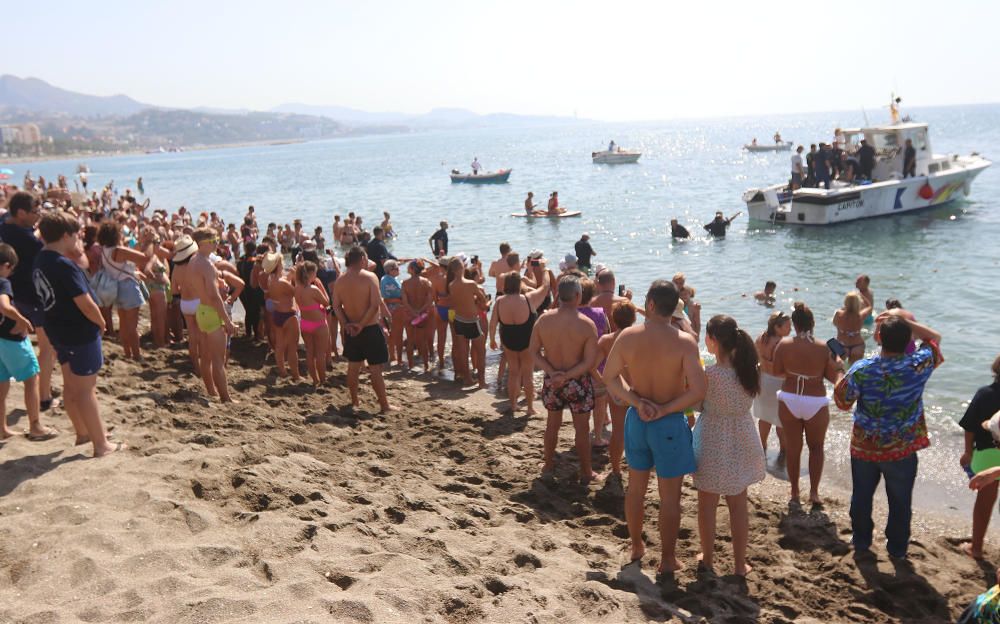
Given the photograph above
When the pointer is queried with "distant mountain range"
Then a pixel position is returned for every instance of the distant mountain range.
(32, 95)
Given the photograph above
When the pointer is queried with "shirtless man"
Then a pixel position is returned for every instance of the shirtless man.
(499, 266)
(468, 301)
(211, 315)
(605, 295)
(357, 302)
(766, 297)
(665, 379)
(863, 284)
(564, 346)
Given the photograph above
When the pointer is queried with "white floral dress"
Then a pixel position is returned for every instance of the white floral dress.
(727, 446)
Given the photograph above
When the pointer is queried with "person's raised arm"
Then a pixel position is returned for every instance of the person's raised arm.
(537, 296)
(834, 370)
(730, 219)
(127, 254)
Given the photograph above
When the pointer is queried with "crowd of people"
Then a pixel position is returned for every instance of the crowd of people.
(632, 387)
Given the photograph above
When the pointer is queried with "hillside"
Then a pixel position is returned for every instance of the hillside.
(38, 96)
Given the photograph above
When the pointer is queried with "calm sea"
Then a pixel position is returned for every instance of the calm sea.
(940, 264)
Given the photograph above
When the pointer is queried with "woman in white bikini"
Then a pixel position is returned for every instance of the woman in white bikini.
(802, 402)
(848, 320)
(765, 404)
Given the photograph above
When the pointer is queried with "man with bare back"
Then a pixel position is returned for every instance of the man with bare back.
(468, 301)
(211, 315)
(564, 346)
(499, 266)
(666, 378)
(357, 303)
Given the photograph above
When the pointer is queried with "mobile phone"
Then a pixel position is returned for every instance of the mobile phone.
(536, 263)
(836, 347)
(475, 259)
(621, 290)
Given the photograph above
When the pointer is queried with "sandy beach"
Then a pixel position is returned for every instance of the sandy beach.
(289, 508)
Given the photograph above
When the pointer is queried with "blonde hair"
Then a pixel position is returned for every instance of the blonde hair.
(852, 302)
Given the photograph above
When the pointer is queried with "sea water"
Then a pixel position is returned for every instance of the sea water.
(940, 263)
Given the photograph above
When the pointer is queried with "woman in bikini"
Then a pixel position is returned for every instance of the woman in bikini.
(311, 297)
(802, 402)
(157, 283)
(399, 315)
(442, 305)
(848, 320)
(348, 235)
(184, 250)
(515, 314)
(623, 315)
(279, 289)
(418, 299)
(765, 404)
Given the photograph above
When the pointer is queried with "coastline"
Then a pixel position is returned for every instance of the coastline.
(288, 507)
(84, 156)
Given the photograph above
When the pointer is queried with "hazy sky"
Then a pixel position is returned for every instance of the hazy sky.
(604, 60)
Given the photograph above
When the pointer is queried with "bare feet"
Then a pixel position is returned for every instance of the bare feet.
(815, 499)
(109, 449)
(593, 476)
(6, 433)
(638, 550)
(968, 550)
(744, 570)
(669, 565)
(705, 564)
(388, 408)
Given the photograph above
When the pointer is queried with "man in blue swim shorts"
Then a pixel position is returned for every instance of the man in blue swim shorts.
(665, 378)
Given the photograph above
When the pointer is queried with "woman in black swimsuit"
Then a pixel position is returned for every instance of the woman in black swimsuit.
(515, 313)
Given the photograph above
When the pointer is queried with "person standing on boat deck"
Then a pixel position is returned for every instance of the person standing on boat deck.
(811, 166)
(866, 157)
(797, 168)
(476, 166)
(584, 252)
(821, 163)
(777, 138)
(720, 224)
(889, 427)
(611, 146)
(909, 160)
(836, 165)
(439, 241)
(677, 230)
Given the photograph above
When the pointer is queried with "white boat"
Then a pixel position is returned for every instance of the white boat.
(939, 179)
(783, 146)
(616, 157)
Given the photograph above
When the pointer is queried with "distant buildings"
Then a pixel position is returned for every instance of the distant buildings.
(25, 134)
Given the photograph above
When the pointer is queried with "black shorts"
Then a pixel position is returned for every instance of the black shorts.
(368, 345)
(468, 329)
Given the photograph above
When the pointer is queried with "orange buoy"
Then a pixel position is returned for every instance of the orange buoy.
(926, 191)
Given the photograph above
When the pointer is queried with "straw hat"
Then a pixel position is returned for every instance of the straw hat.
(184, 248)
(271, 261)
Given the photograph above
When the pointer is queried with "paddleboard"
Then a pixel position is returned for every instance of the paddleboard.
(565, 215)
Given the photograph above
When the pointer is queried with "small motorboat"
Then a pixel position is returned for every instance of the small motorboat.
(491, 177)
(618, 156)
(562, 215)
(783, 146)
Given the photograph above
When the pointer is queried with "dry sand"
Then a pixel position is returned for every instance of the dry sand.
(288, 508)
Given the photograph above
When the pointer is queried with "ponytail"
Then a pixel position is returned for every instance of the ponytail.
(744, 361)
(739, 348)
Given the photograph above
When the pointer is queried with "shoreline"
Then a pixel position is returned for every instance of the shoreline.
(84, 156)
(288, 503)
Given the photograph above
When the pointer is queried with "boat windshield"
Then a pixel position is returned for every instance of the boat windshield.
(885, 140)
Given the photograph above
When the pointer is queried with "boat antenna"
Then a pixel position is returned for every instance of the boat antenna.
(865, 114)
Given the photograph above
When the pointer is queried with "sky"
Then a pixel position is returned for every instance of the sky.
(614, 61)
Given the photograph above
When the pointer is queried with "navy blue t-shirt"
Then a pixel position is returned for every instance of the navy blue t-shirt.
(27, 246)
(58, 281)
(7, 324)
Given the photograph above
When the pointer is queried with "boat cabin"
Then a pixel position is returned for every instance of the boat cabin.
(889, 143)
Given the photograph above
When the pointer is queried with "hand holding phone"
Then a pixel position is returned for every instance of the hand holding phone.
(621, 290)
(836, 348)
